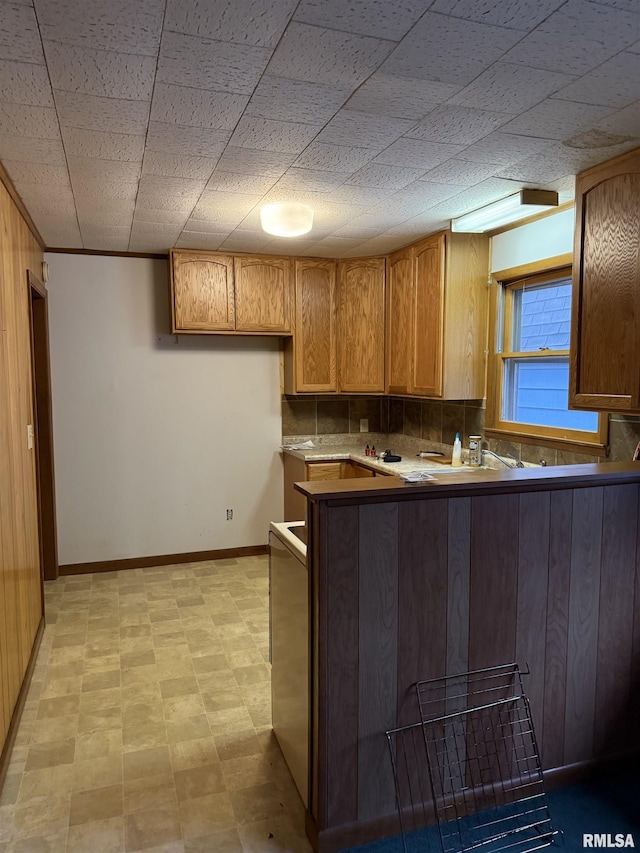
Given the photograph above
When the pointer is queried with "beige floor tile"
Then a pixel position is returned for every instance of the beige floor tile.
(212, 682)
(210, 663)
(252, 674)
(248, 771)
(51, 754)
(179, 686)
(106, 680)
(150, 792)
(97, 773)
(54, 728)
(98, 745)
(142, 713)
(245, 657)
(61, 706)
(153, 761)
(199, 781)
(272, 836)
(151, 827)
(96, 804)
(229, 720)
(41, 815)
(136, 694)
(40, 783)
(10, 789)
(193, 728)
(106, 836)
(258, 802)
(206, 815)
(232, 745)
(53, 842)
(226, 841)
(129, 660)
(260, 714)
(100, 719)
(133, 631)
(193, 753)
(54, 687)
(179, 707)
(143, 735)
(139, 675)
(101, 663)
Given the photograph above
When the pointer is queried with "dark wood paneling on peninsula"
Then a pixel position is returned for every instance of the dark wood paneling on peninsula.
(411, 584)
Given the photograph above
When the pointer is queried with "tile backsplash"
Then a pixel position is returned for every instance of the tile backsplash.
(437, 422)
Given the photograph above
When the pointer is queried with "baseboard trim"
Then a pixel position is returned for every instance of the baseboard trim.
(162, 560)
(5, 755)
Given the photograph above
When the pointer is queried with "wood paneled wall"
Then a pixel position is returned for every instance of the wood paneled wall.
(416, 589)
(20, 583)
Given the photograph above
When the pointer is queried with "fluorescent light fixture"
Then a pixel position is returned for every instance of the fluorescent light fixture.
(286, 220)
(505, 210)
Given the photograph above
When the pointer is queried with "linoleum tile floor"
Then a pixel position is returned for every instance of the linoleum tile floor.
(147, 724)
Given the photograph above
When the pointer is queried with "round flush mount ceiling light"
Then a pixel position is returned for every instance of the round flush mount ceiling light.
(286, 220)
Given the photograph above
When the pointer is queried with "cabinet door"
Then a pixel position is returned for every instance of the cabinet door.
(315, 326)
(361, 325)
(428, 317)
(399, 321)
(324, 470)
(605, 340)
(263, 294)
(202, 291)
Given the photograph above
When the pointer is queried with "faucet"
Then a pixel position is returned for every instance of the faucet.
(516, 462)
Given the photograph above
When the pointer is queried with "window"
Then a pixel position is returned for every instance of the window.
(530, 388)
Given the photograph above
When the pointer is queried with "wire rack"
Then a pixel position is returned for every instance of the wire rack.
(471, 765)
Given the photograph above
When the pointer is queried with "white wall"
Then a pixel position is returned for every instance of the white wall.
(544, 238)
(155, 436)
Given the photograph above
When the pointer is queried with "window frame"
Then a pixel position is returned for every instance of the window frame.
(501, 318)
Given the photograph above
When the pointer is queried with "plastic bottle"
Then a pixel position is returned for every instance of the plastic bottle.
(456, 460)
(367, 452)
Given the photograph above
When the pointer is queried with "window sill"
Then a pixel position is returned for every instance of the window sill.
(592, 448)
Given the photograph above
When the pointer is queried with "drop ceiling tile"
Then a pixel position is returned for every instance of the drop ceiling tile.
(208, 64)
(215, 206)
(21, 120)
(295, 100)
(56, 205)
(178, 165)
(451, 50)
(91, 168)
(110, 115)
(147, 244)
(25, 83)
(235, 182)
(104, 146)
(173, 139)
(613, 84)
(170, 217)
(197, 107)
(325, 56)
(504, 148)
(459, 125)
(36, 173)
(476, 196)
(106, 239)
(400, 97)
(461, 172)
(84, 188)
(366, 17)
(418, 226)
(246, 243)
(364, 197)
(58, 232)
(554, 119)
(382, 220)
(255, 162)
(333, 247)
(515, 14)
(417, 154)
(26, 149)
(166, 233)
(577, 37)
(258, 22)
(178, 205)
(173, 187)
(334, 158)
(118, 25)
(380, 245)
(46, 193)
(312, 180)
(198, 240)
(629, 5)
(19, 34)
(355, 234)
(540, 171)
(426, 192)
(283, 136)
(207, 226)
(509, 88)
(107, 74)
(634, 48)
(94, 210)
(363, 130)
(381, 176)
(625, 121)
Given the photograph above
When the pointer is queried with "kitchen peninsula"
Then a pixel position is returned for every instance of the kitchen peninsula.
(408, 582)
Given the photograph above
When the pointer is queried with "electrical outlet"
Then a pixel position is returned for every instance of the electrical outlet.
(364, 424)
(229, 515)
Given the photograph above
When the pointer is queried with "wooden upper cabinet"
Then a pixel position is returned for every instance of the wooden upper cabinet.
(449, 316)
(605, 329)
(361, 312)
(428, 315)
(400, 296)
(263, 294)
(202, 291)
(310, 355)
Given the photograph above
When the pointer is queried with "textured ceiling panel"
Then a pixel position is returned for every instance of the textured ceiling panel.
(208, 64)
(332, 58)
(108, 74)
(180, 119)
(257, 22)
(19, 34)
(110, 115)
